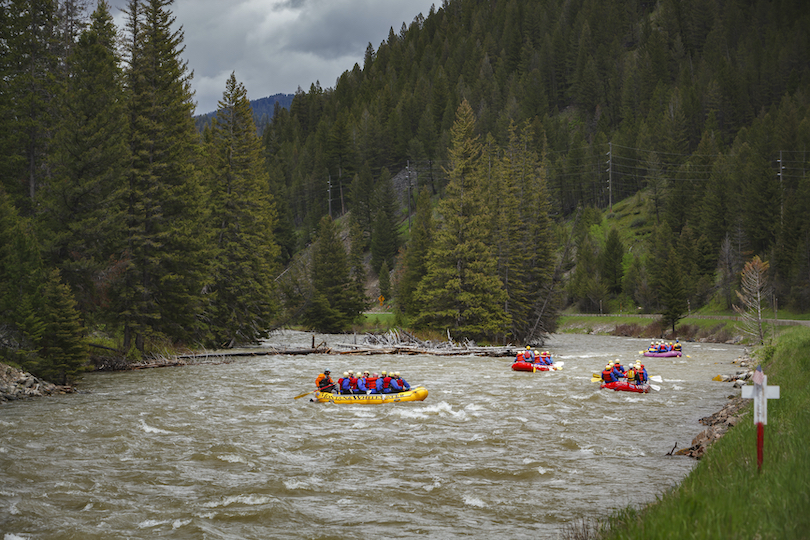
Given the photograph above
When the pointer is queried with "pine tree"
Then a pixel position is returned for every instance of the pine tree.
(30, 60)
(610, 262)
(535, 260)
(82, 214)
(335, 304)
(362, 191)
(166, 239)
(241, 301)
(63, 346)
(461, 290)
(384, 234)
(21, 277)
(41, 329)
(587, 286)
(357, 269)
(672, 292)
(416, 254)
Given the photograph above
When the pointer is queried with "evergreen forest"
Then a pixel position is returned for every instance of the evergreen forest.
(473, 172)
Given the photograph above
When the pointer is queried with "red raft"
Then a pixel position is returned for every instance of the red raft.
(668, 354)
(624, 386)
(528, 366)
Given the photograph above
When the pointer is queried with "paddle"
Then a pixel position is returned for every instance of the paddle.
(655, 387)
(657, 378)
(317, 390)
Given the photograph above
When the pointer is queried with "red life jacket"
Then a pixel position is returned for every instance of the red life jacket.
(386, 382)
(353, 383)
(371, 383)
(606, 375)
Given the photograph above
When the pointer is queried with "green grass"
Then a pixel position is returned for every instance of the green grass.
(375, 322)
(688, 328)
(726, 496)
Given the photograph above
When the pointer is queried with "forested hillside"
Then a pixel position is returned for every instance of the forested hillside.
(700, 107)
(471, 164)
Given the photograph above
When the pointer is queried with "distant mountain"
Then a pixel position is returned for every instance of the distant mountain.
(262, 111)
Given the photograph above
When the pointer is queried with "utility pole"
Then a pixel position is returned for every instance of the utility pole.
(781, 191)
(408, 168)
(610, 175)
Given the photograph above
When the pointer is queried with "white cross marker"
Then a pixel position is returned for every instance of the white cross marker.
(761, 393)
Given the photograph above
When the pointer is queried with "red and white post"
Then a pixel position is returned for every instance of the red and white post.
(760, 393)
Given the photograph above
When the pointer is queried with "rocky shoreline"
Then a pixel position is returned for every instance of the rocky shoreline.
(16, 384)
(729, 416)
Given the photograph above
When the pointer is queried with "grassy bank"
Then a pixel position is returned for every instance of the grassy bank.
(725, 496)
(689, 328)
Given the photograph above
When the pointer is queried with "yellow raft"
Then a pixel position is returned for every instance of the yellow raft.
(418, 393)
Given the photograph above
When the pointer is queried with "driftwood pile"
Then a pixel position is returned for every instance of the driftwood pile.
(392, 342)
(397, 341)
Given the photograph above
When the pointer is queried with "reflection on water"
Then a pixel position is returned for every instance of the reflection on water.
(224, 451)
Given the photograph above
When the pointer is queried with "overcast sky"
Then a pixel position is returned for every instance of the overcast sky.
(275, 46)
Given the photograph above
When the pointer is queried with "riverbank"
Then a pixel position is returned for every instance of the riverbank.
(704, 329)
(16, 384)
(726, 496)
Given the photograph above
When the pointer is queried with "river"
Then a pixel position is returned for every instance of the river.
(223, 451)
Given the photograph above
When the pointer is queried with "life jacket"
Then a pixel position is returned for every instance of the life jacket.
(386, 383)
(631, 375)
(641, 376)
(371, 383)
(677, 347)
(323, 381)
(607, 375)
(353, 383)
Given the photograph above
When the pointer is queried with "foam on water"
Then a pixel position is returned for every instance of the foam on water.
(150, 429)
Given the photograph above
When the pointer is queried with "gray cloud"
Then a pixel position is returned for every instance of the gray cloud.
(276, 46)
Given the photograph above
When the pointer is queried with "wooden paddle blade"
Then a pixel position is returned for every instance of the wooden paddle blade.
(302, 395)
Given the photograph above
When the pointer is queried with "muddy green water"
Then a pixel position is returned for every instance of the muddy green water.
(225, 452)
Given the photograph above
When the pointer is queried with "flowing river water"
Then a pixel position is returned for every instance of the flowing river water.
(223, 451)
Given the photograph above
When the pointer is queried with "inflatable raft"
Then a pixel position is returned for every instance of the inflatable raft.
(668, 354)
(624, 386)
(418, 393)
(528, 366)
